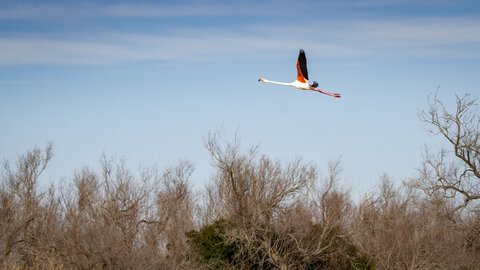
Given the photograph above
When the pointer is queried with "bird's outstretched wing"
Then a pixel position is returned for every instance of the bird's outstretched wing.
(302, 72)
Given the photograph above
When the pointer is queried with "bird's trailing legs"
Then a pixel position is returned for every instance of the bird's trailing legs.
(335, 95)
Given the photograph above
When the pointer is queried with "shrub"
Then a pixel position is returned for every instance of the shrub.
(210, 245)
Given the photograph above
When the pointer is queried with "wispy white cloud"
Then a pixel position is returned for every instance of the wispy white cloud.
(421, 33)
(115, 49)
(441, 38)
(30, 12)
(43, 51)
(126, 10)
(392, 3)
(158, 10)
(95, 9)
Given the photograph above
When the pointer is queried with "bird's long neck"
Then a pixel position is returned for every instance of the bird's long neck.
(280, 83)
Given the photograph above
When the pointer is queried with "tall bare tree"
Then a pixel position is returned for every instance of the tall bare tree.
(20, 205)
(275, 216)
(453, 172)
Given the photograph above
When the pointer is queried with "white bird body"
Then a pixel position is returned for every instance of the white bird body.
(296, 84)
(301, 85)
(302, 78)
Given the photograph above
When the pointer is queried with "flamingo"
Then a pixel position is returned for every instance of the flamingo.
(302, 78)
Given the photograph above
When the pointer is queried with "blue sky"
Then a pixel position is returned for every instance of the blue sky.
(147, 80)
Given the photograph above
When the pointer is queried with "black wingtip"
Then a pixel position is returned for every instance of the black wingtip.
(301, 53)
(302, 60)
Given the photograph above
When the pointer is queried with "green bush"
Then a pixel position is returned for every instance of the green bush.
(209, 244)
(341, 252)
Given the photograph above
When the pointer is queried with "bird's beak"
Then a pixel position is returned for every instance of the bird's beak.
(260, 80)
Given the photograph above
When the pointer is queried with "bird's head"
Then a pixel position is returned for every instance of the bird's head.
(261, 80)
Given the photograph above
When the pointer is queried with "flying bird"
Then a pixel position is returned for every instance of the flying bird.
(302, 78)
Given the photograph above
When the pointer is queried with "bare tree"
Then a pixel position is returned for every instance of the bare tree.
(121, 221)
(453, 172)
(253, 186)
(402, 229)
(20, 204)
(172, 216)
(258, 213)
(275, 216)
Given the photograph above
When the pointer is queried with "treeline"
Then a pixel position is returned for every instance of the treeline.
(256, 213)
